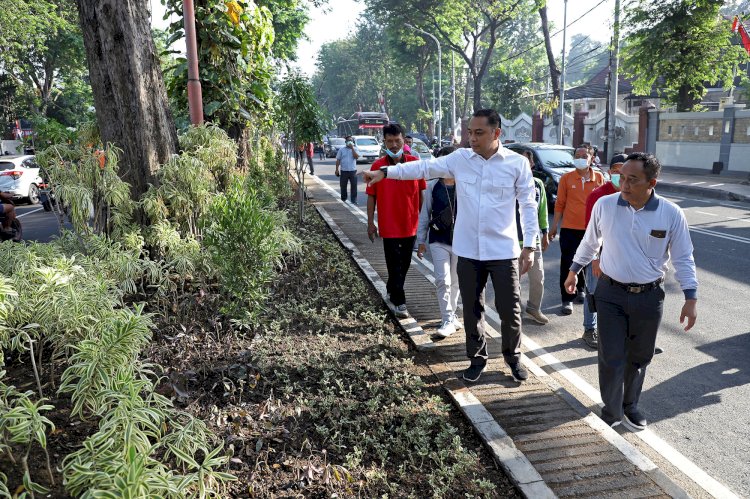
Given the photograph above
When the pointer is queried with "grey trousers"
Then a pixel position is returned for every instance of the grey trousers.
(472, 279)
(628, 324)
(536, 282)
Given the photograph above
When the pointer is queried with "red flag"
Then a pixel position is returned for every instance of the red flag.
(735, 23)
(745, 37)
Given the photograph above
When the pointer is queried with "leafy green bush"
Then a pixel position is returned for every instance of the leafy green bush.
(247, 240)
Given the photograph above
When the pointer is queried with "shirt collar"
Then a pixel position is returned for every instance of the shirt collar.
(651, 205)
(501, 153)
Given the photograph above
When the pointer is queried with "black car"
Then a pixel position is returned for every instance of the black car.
(332, 146)
(551, 161)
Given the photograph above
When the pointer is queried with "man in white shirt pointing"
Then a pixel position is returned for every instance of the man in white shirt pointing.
(637, 232)
(489, 179)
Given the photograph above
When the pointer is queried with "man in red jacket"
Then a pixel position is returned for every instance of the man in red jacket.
(398, 204)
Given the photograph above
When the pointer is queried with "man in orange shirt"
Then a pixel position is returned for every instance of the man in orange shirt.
(398, 204)
(572, 190)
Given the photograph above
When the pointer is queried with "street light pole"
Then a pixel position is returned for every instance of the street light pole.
(613, 81)
(561, 124)
(440, 79)
(453, 97)
(195, 97)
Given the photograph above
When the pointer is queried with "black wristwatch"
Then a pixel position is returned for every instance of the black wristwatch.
(384, 169)
(529, 248)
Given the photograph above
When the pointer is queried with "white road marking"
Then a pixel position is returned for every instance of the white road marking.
(707, 213)
(697, 183)
(685, 465)
(708, 232)
(29, 212)
(678, 182)
(715, 185)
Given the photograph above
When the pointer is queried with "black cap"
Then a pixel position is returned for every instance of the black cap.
(618, 158)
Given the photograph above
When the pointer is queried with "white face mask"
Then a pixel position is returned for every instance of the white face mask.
(581, 163)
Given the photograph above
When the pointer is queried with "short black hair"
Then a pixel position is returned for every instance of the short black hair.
(409, 137)
(651, 165)
(618, 158)
(493, 119)
(348, 137)
(393, 129)
(444, 151)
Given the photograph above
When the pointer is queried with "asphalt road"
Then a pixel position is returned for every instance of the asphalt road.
(697, 393)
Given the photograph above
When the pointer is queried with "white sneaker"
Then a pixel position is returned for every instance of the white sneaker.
(456, 323)
(401, 312)
(446, 329)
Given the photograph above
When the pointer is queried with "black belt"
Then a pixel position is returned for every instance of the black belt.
(633, 287)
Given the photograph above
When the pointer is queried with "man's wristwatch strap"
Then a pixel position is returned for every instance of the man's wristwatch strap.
(529, 248)
(384, 169)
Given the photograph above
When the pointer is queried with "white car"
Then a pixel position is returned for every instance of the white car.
(19, 175)
(420, 149)
(368, 147)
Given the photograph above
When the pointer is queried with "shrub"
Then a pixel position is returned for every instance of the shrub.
(247, 240)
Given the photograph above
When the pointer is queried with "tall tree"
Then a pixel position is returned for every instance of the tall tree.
(685, 42)
(45, 56)
(468, 27)
(554, 72)
(131, 102)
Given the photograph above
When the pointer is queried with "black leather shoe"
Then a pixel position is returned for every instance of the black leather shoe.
(633, 420)
(473, 373)
(518, 371)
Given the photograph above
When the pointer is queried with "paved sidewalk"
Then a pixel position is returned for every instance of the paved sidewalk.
(730, 186)
(549, 443)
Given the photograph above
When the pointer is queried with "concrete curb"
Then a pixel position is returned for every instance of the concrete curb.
(515, 464)
(706, 192)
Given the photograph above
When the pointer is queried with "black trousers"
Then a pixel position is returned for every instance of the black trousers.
(569, 241)
(628, 323)
(346, 178)
(472, 279)
(398, 252)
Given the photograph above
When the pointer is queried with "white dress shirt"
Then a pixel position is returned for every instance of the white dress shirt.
(486, 193)
(638, 243)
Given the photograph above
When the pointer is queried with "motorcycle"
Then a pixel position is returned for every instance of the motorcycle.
(15, 230)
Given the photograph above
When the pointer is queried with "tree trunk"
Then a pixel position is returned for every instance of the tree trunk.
(553, 71)
(467, 94)
(685, 102)
(477, 101)
(129, 94)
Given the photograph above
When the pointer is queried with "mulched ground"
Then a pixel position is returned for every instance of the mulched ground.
(321, 397)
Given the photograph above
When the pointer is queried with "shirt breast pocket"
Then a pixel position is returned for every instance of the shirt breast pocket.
(501, 191)
(656, 243)
(467, 185)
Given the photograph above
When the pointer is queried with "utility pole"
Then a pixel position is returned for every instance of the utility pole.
(453, 96)
(195, 95)
(613, 81)
(561, 125)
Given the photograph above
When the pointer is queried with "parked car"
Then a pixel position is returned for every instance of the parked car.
(551, 161)
(333, 145)
(368, 147)
(19, 175)
(419, 148)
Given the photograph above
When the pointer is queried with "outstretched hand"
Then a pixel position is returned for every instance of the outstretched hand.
(373, 176)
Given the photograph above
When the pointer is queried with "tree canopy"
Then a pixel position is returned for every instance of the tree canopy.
(684, 44)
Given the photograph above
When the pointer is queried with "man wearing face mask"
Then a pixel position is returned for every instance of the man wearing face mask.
(398, 205)
(570, 208)
(346, 168)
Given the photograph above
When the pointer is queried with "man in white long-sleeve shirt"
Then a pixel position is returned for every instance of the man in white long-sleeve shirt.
(637, 232)
(489, 179)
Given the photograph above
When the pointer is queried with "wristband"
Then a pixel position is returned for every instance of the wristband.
(384, 169)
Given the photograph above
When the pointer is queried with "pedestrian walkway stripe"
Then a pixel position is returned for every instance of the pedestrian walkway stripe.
(690, 469)
(721, 235)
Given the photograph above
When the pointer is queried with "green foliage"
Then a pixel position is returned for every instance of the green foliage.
(234, 59)
(298, 112)
(42, 51)
(87, 187)
(247, 240)
(685, 44)
(188, 181)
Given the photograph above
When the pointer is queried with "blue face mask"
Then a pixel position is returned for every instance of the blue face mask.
(615, 178)
(395, 155)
